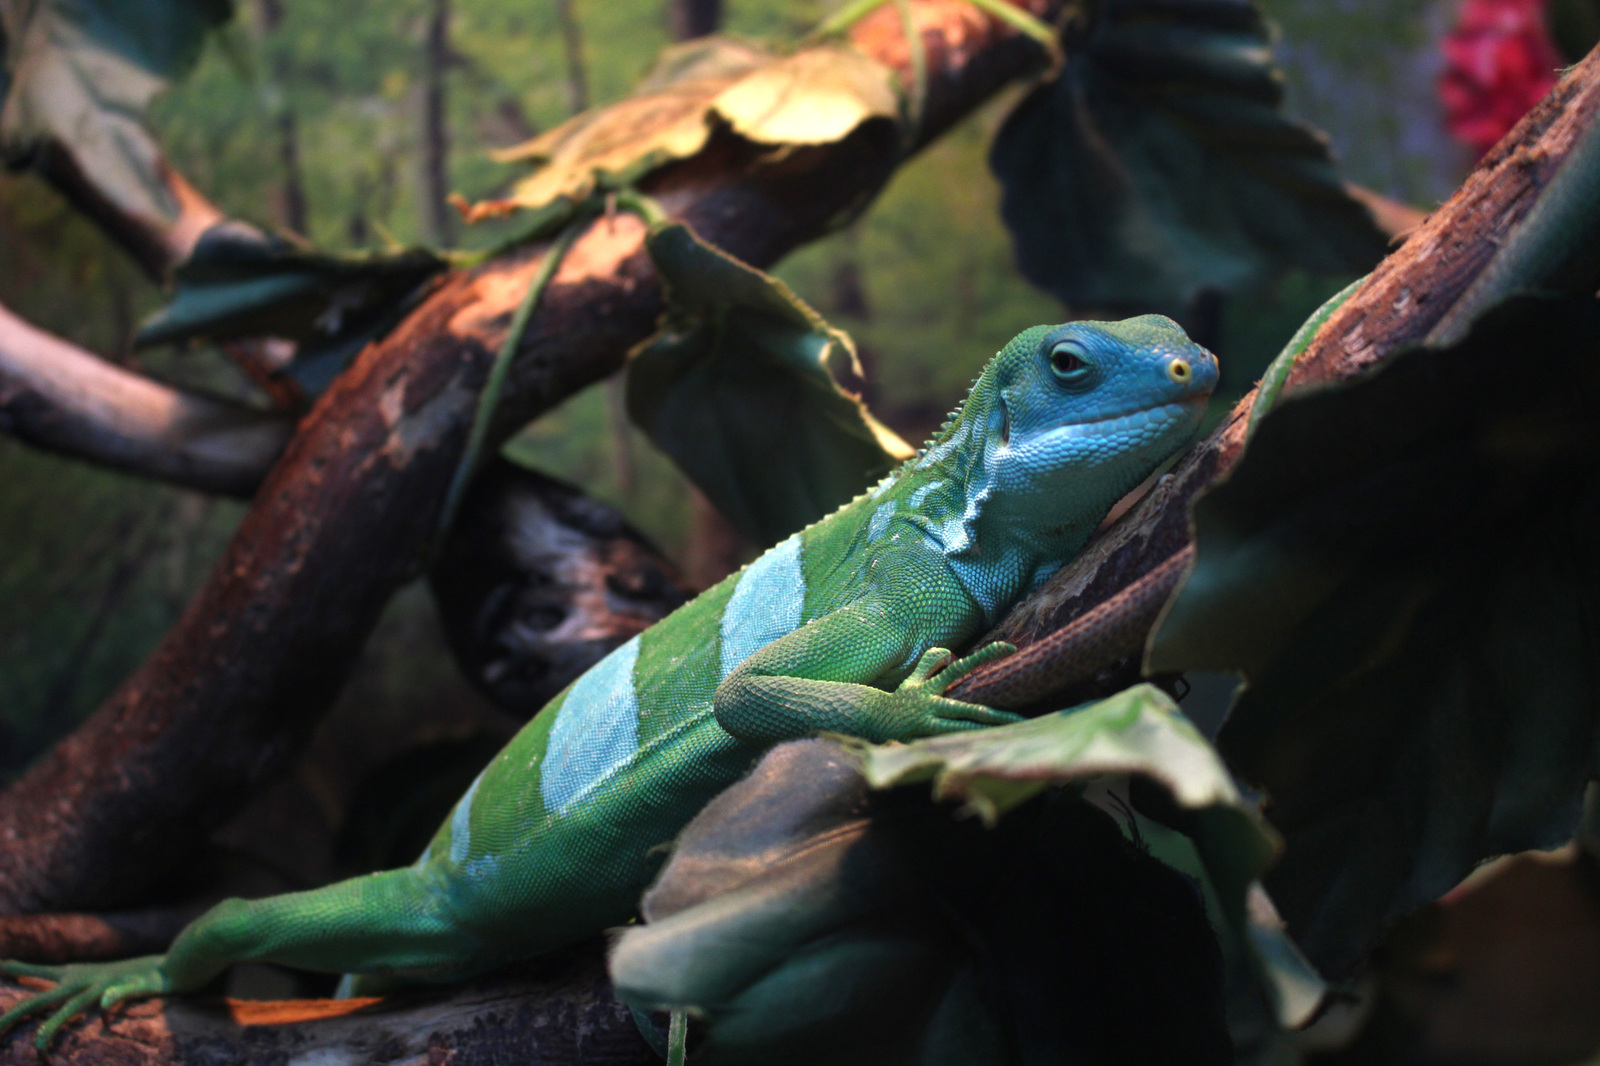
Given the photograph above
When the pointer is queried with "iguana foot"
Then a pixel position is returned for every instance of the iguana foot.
(78, 986)
(931, 712)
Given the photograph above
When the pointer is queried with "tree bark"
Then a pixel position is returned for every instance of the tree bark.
(438, 220)
(551, 1016)
(688, 19)
(572, 48)
(537, 582)
(155, 243)
(61, 938)
(349, 511)
(57, 396)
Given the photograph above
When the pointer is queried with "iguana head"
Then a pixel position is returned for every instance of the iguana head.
(1066, 420)
(1092, 405)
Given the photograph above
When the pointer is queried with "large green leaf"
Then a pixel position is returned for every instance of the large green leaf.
(823, 911)
(815, 96)
(241, 283)
(79, 74)
(1159, 164)
(1404, 570)
(739, 388)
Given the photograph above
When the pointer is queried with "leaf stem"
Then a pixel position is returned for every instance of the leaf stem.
(649, 210)
(1024, 23)
(842, 19)
(500, 368)
(917, 100)
(677, 1037)
(1278, 370)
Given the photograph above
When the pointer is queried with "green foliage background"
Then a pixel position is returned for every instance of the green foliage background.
(94, 566)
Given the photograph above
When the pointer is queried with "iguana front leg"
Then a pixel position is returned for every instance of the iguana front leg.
(397, 921)
(820, 679)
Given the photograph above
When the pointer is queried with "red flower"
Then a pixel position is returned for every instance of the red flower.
(1499, 62)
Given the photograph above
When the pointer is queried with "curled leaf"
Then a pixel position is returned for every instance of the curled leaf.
(815, 96)
(1400, 567)
(821, 910)
(739, 387)
(79, 75)
(1159, 164)
(239, 282)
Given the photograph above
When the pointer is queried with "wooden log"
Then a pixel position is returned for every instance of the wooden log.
(552, 1016)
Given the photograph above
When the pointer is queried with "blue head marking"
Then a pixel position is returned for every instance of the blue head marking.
(1059, 426)
(1093, 403)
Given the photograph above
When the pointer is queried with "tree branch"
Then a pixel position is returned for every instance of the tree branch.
(550, 1016)
(60, 938)
(57, 396)
(1476, 246)
(347, 513)
(537, 582)
(156, 242)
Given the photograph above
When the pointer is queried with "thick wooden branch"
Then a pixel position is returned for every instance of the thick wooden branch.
(58, 396)
(58, 938)
(537, 582)
(1533, 196)
(349, 511)
(554, 1016)
(158, 241)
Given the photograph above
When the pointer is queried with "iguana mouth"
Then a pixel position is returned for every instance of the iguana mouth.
(1141, 416)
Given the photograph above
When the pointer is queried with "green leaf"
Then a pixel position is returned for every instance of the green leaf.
(739, 388)
(822, 911)
(241, 283)
(815, 96)
(1401, 568)
(1159, 165)
(80, 74)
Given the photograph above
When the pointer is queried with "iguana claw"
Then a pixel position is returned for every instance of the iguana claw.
(935, 673)
(80, 985)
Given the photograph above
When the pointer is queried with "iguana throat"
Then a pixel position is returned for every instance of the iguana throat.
(1017, 479)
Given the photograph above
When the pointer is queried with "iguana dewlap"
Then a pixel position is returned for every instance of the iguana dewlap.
(840, 627)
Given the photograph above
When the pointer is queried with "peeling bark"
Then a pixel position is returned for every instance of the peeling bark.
(155, 243)
(59, 938)
(537, 582)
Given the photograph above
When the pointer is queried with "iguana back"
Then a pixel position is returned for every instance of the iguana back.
(577, 809)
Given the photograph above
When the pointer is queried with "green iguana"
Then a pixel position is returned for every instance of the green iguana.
(842, 627)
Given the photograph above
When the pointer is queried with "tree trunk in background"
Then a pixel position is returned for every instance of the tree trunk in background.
(688, 19)
(292, 202)
(437, 221)
(291, 199)
(572, 42)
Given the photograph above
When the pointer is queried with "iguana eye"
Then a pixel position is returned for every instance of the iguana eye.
(1068, 364)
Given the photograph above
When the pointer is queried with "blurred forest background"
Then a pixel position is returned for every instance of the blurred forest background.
(349, 123)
